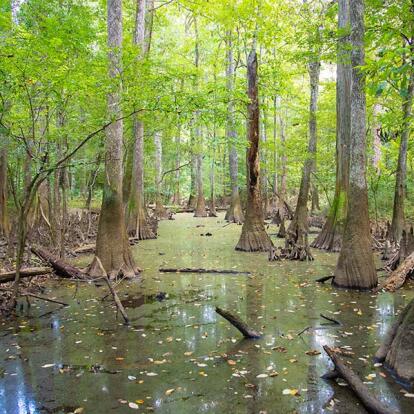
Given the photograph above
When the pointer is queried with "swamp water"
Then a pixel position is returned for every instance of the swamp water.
(178, 355)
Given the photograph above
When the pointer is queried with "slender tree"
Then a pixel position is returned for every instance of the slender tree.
(297, 233)
(137, 216)
(398, 218)
(112, 247)
(200, 207)
(234, 213)
(253, 236)
(356, 268)
(330, 237)
(4, 218)
(160, 211)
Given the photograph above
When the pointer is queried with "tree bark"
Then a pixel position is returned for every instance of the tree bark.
(398, 219)
(137, 216)
(330, 238)
(297, 232)
(234, 214)
(4, 218)
(177, 195)
(112, 247)
(264, 186)
(355, 268)
(398, 348)
(253, 236)
(200, 207)
(160, 211)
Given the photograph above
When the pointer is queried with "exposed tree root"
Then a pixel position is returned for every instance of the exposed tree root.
(238, 324)
(370, 402)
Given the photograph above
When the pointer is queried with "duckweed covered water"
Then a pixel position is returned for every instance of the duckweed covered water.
(178, 355)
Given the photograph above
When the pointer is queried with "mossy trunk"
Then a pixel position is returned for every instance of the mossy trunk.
(330, 237)
(355, 268)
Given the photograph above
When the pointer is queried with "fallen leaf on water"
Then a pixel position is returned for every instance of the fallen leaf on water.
(312, 352)
(231, 362)
(79, 410)
(291, 391)
(262, 376)
(48, 365)
(170, 391)
(133, 405)
(409, 395)
(151, 374)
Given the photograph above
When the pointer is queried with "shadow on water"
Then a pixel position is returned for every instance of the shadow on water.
(178, 355)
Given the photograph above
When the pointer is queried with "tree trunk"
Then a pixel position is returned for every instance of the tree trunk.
(112, 246)
(398, 348)
(297, 232)
(234, 213)
(212, 212)
(264, 186)
(330, 238)
(253, 236)
(160, 211)
(398, 219)
(200, 208)
(4, 218)
(137, 217)
(177, 195)
(355, 268)
(275, 152)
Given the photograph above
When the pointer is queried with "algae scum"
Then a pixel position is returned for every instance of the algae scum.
(178, 355)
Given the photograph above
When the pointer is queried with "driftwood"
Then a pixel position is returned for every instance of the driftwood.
(60, 267)
(200, 270)
(331, 320)
(117, 300)
(238, 324)
(324, 279)
(28, 272)
(370, 402)
(397, 349)
(399, 276)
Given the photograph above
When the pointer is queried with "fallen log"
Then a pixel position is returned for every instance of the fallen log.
(399, 276)
(200, 270)
(238, 324)
(370, 402)
(117, 301)
(61, 268)
(28, 272)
